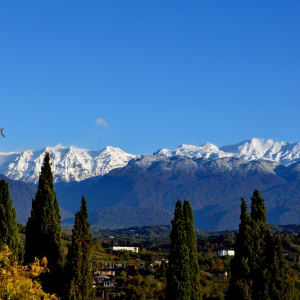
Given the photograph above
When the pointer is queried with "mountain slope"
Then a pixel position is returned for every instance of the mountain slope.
(75, 164)
(22, 194)
(124, 217)
(283, 152)
(69, 164)
(214, 188)
(213, 179)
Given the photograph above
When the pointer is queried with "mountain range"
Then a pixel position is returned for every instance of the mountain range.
(68, 164)
(127, 190)
(76, 164)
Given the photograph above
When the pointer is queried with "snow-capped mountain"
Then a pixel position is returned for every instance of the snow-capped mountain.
(284, 153)
(75, 164)
(208, 151)
(69, 164)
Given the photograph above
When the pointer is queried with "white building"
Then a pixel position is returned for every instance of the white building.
(124, 248)
(226, 252)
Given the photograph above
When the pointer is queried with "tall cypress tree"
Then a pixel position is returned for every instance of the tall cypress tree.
(262, 237)
(240, 280)
(269, 269)
(8, 223)
(259, 270)
(43, 231)
(191, 242)
(80, 277)
(178, 274)
(280, 285)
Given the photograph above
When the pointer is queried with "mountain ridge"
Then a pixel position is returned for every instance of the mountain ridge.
(68, 163)
(149, 185)
(213, 187)
(77, 164)
(213, 178)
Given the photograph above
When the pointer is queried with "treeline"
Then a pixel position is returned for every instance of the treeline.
(259, 270)
(47, 272)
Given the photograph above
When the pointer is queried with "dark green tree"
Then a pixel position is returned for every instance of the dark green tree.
(191, 242)
(269, 270)
(43, 231)
(280, 286)
(240, 281)
(259, 271)
(262, 239)
(80, 277)
(8, 223)
(179, 281)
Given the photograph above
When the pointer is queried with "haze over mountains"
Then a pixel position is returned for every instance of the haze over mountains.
(212, 178)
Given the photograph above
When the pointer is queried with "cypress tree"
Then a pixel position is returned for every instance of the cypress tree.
(178, 274)
(43, 231)
(191, 242)
(280, 285)
(8, 224)
(259, 270)
(80, 277)
(269, 268)
(262, 237)
(240, 281)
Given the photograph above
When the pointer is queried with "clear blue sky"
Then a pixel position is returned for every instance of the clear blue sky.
(145, 75)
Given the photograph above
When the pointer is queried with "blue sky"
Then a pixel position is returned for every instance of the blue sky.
(145, 75)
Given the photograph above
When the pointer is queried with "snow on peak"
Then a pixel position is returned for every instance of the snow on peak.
(68, 164)
(76, 164)
(282, 152)
(207, 151)
(253, 149)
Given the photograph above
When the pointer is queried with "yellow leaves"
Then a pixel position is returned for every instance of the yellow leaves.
(17, 281)
(4, 256)
(38, 267)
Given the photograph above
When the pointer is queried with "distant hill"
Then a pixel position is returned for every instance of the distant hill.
(22, 194)
(128, 190)
(121, 217)
(214, 188)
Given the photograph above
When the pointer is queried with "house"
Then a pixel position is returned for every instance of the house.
(159, 261)
(101, 278)
(124, 248)
(111, 284)
(106, 272)
(107, 265)
(226, 253)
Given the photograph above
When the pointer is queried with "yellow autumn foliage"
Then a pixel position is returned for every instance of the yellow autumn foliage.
(18, 282)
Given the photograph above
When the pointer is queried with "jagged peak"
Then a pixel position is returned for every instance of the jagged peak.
(112, 149)
(75, 164)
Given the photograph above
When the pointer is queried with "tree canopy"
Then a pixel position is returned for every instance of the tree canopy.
(43, 231)
(80, 285)
(19, 282)
(258, 269)
(183, 281)
(8, 222)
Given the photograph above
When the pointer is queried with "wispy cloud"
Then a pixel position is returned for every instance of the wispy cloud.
(101, 122)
